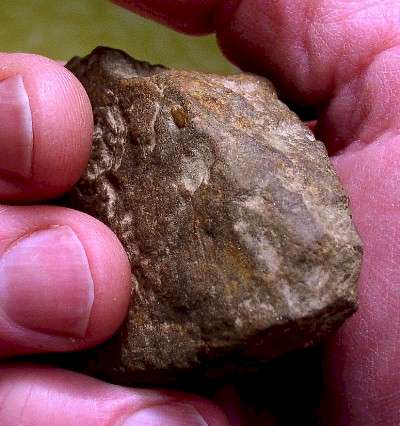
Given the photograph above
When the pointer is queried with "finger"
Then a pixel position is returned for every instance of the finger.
(189, 16)
(45, 128)
(64, 280)
(33, 396)
(322, 53)
(330, 54)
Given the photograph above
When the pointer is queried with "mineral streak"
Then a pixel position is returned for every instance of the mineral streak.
(236, 226)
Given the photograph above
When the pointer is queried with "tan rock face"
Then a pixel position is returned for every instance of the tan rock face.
(236, 226)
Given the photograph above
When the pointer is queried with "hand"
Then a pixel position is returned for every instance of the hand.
(343, 58)
(64, 277)
(338, 55)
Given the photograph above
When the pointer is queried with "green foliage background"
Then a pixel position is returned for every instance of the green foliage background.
(61, 29)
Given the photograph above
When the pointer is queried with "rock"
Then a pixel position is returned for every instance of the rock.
(236, 226)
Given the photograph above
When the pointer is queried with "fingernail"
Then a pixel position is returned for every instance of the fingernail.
(16, 134)
(46, 284)
(166, 415)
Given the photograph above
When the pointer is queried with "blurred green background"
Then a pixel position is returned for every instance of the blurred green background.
(61, 29)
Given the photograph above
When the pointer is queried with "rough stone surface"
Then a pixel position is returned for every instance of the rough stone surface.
(236, 226)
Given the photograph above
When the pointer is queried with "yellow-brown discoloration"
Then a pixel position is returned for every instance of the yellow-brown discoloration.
(180, 116)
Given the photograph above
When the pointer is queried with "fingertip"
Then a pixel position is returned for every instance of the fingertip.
(65, 281)
(189, 16)
(58, 111)
(111, 272)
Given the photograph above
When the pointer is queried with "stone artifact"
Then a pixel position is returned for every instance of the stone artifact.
(236, 226)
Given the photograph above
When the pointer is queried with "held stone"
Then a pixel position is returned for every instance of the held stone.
(237, 228)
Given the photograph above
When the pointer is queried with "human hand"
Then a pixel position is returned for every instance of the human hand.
(340, 56)
(65, 278)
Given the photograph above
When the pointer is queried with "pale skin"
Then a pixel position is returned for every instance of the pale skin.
(340, 55)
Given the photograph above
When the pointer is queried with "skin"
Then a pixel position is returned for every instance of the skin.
(339, 56)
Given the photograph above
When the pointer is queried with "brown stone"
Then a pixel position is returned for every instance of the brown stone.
(237, 228)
